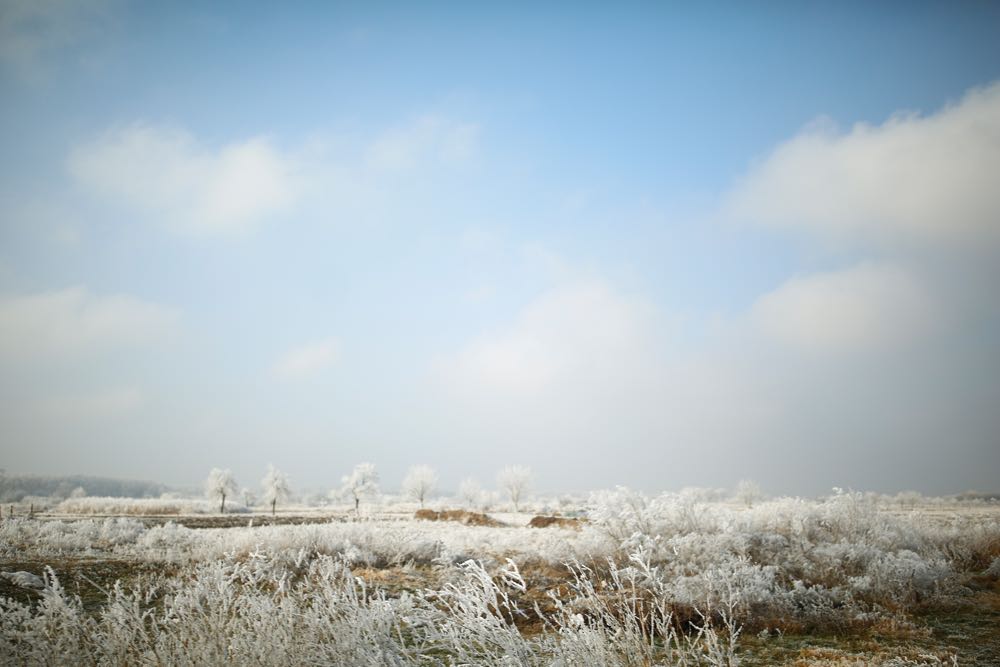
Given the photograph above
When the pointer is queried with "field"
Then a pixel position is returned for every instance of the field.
(623, 579)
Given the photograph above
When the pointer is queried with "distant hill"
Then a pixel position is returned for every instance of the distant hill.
(14, 488)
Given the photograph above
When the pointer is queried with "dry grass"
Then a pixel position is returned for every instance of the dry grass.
(460, 516)
(561, 522)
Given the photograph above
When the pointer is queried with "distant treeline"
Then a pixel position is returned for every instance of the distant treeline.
(14, 488)
(977, 495)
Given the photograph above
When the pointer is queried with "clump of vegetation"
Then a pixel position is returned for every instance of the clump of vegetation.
(461, 516)
(561, 522)
(316, 611)
(673, 579)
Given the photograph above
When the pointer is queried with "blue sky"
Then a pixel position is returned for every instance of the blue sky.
(651, 245)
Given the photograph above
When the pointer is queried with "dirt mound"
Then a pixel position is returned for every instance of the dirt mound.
(561, 522)
(461, 516)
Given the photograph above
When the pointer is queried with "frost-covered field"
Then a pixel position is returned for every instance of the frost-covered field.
(671, 580)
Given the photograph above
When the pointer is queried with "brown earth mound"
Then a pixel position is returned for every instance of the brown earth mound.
(461, 516)
(562, 522)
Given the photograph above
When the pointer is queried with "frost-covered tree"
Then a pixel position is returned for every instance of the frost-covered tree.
(361, 483)
(748, 492)
(514, 481)
(909, 498)
(419, 483)
(470, 491)
(220, 483)
(275, 485)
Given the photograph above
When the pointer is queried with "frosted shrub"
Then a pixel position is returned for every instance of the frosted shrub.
(665, 580)
(132, 506)
(18, 536)
(49, 633)
(901, 578)
(318, 612)
(622, 513)
(627, 618)
(830, 562)
(478, 626)
(969, 544)
(377, 543)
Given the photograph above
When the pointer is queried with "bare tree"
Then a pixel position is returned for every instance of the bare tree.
(748, 491)
(470, 491)
(275, 485)
(419, 483)
(515, 480)
(362, 482)
(909, 498)
(220, 483)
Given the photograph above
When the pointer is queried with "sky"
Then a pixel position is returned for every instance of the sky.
(655, 245)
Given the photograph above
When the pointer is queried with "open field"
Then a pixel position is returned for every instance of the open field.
(669, 580)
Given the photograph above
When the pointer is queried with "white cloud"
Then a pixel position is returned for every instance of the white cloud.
(74, 320)
(307, 359)
(584, 369)
(869, 305)
(167, 174)
(927, 179)
(580, 330)
(429, 139)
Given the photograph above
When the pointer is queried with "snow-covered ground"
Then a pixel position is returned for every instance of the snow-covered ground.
(385, 588)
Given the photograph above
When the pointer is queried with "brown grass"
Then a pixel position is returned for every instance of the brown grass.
(459, 516)
(561, 522)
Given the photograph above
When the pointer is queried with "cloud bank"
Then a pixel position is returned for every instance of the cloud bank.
(581, 328)
(865, 307)
(74, 321)
(166, 174)
(911, 180)
(843, 375)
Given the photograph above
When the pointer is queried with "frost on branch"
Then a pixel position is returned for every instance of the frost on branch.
(361, 483)
(515, 481)
(275, 485)
(420, 483)
(219, 485)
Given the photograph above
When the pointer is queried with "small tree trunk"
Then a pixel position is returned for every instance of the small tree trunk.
(357, 501)
(273, 503)
(222, 507)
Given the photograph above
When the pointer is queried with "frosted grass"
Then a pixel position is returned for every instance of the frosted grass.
(671, 579)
